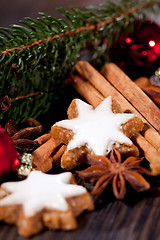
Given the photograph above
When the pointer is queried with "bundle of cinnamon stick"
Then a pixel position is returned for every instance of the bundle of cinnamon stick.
(94, 86)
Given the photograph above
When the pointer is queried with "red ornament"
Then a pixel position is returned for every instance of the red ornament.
(8, 153)
(138, 54)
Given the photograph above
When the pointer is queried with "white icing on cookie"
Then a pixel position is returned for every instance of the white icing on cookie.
(98, 128)
(41, 191)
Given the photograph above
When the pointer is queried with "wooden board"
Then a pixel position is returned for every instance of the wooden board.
(135, 218)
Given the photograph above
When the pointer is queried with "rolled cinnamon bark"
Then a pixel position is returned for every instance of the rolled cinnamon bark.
(41, 156)
(100, 84)
(86, 90)
(132, 93)
(150, 153)
(56, 157)
(44, 138)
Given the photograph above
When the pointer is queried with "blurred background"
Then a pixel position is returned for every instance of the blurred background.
(13, 11)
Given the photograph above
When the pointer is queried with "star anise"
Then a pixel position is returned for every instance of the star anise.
(24, 139)
(103, 170)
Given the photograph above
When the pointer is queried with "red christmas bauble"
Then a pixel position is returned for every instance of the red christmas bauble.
(8, 153)
(138, 53)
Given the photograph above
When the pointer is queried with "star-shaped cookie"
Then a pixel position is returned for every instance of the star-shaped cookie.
(43, 200)
(95, 131)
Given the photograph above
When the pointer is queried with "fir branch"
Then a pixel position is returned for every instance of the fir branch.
(92, 27)
(39, 54)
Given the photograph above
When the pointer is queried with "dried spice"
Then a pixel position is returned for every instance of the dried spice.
(11, 127)
(48, 155)
(27, 133)
(103, 170)
(24, 139)
(154, 93)
(25, 145)
(5, 103)
(46, 151)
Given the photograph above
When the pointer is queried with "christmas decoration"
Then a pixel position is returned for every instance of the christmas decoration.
(36, 58)
(26, 164)
(153, 90)
(155, 79)
(138, 53)
(8, 154)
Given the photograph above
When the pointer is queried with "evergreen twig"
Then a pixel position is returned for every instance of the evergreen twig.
(87, 27)
(39, 54)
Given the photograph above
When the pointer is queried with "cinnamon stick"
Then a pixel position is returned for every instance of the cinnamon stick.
(43, 138)
(86, 90)
(150, 152)
(153, 137)
(132, 93)
(56, 156)
(106, 89)
(41, 156)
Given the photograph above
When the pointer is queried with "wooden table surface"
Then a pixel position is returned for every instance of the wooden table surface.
(137, 217)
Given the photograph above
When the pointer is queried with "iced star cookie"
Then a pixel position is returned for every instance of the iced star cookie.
(43, 200)
(96, 131)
